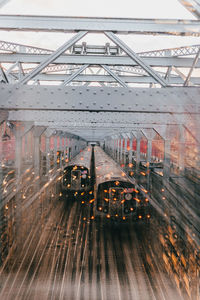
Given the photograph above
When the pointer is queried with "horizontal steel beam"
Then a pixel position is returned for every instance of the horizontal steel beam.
(95, 119)
(117, 25)
(108, 49)
(184, 62)
(66, 98)
(109, 79)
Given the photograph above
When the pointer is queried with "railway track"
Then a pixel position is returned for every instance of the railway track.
(81, 258)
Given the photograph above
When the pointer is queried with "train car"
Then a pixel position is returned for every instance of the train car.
(76, 178)
(116, 196)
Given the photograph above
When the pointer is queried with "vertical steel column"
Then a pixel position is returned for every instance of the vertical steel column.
(37, 132)
(18, 153)
(72, 148)
(130, 154)
(181, 158)
(26, 146)
(113, 148)
(68, 148)
(118, 151)
(167, 151)
(47, 155)
(138, 139)
(121, 150)
(37, 155)
(125, 149)
(149, 153)
(64, 151)
(60, 149)
(55, 151)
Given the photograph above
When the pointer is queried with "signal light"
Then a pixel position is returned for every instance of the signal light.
(124, 218)
(148, 216)
(108, 216)
(139, 217)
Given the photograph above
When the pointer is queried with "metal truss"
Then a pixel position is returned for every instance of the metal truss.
(111, 58)
(193, 6)
(117, 25)
(53, 57)
(19, 48)
(120, 67)
(105, 103)
(183, 62)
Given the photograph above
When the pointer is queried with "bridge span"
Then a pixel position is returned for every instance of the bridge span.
(143, 110)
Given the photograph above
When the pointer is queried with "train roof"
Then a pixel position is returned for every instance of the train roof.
(107, 169)
(82, 159)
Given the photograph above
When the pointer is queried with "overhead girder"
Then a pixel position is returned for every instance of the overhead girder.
(99, 119)
(183, 62)
(65, 98)
(145, 62)
(172, 80)
(106, 49)
(92, 24)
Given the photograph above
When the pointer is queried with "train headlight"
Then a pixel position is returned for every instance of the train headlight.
(128, 196)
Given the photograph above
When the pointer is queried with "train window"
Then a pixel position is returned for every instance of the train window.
(116, 194)
(76, 179)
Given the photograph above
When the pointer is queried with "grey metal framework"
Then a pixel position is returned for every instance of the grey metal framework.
(95, 90)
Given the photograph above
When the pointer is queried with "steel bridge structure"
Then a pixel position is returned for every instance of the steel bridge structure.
(143, 108)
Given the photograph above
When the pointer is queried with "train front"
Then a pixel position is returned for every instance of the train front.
(119, 200)
(76, 177)
(116, 196)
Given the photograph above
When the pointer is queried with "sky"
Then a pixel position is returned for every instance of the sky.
(101, 8)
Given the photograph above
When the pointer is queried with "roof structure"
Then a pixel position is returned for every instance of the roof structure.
(93, 90)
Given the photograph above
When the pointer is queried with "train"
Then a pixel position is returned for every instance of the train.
(116, 195)
(76, 179)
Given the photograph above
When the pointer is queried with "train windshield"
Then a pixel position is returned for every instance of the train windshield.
(116, 194)
(76, 180)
